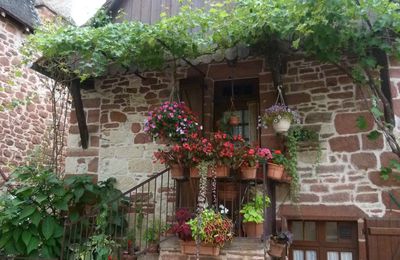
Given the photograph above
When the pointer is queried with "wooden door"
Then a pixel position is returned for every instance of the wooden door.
(383, 239)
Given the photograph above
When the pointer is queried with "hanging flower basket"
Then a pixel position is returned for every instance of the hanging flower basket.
(248, 173)
(189, 248)
(275, 171)
(177, 171)
(234, 120)
(280, 117)
(282, 126)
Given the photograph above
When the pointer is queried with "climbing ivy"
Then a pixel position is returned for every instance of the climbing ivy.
(350, 34)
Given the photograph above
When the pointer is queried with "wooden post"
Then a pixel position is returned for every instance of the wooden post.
(80, 113)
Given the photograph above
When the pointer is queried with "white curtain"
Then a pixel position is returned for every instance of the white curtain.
(346, 256)
(298, 255)
(311, 255)
(333, 255)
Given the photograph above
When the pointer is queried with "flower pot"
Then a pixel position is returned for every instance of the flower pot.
(248, 173)
(275, 171)
(194, 173)
(189, 248)
(253, 229)
(286, 177)
(222, 171)
(282, 125)
(234, 120)
(177, 171)
(227, 191)
(276, 249)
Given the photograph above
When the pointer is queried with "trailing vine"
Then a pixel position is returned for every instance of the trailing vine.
(353, 35)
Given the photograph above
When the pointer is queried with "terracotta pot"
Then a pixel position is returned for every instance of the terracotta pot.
(177, 171)
(282, 125)
(253, 229)
(234, 120)
(275, 171)
(222, 171)
(227, 191)
(189, 248)
(194, 173)
(248, 173)
(286, 177)
(276, 249)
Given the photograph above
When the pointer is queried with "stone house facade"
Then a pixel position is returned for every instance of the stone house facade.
(344, 187)
(25, 110)
(346, 181)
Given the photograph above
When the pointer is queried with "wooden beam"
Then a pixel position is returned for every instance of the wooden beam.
(80, 113)
(384, 231)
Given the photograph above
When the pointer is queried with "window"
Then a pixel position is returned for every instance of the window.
(240, 97)
(319, 240)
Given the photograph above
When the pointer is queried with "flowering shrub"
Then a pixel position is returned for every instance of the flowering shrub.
(173, 121)
(176, 155)
(277, 112)
(278, 158)
(182, 228)
(224, 148)
(249, 157)
(213, 228)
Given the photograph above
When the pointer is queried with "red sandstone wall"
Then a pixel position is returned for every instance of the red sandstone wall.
(23, 127)
(327, 99)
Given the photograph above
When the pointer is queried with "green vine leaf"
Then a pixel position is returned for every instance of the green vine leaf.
(373, 135)
(361, 123)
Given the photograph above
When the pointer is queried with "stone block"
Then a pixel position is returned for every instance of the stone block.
(140, 165)
(344, 144)
(346, 123)
(363, 161)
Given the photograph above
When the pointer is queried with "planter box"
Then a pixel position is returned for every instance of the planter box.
(189, 248)
(221, 172)
(253, 230)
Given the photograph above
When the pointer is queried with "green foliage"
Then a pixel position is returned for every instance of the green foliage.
(295, 135)
(253, 211)
(153, 232)
(100, 19)
(328, 31)
(361, 122)
(32, 213)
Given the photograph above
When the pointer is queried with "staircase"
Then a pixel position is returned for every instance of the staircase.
(137, 220)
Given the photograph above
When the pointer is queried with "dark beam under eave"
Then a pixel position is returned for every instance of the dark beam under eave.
(75, 91)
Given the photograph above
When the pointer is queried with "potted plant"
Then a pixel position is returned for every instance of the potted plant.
(278, 244)
(280, 117)
(223, 152)
(276, 165)
(253, 218)
(152, 236)
(173, 121)
(210, 230)
(174, 158)
(250, 158)
(201, 150)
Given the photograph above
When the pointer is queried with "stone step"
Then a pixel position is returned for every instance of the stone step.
(238, 249)
(149, 257)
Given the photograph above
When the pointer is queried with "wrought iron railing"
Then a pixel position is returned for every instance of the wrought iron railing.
(138, 220)
(135, 221)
